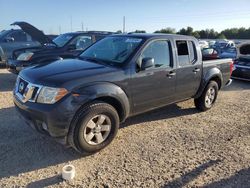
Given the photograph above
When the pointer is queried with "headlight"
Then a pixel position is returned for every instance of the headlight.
(25, 56)
(50, 95)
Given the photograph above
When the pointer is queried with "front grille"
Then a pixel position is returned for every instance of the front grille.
(22, 86)
(26, 91)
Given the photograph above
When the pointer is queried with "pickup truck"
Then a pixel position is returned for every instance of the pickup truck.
(81, 102)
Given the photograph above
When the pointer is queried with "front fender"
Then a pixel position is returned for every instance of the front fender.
(213, 73)
(104, 89)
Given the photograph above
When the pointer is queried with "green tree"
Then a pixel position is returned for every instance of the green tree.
(139, 31)
(221, 36)
(167, 30)
(189, 31)
(196, 34)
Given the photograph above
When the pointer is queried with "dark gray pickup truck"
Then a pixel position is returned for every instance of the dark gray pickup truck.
(82, 101)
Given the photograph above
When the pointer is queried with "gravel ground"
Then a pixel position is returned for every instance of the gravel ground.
(175, 146)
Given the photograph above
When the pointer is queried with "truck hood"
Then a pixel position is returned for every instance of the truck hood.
(34, 33)
(57, 73)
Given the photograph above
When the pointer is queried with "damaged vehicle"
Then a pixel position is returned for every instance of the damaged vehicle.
(242, 63)
(68, 45)
(13, 39)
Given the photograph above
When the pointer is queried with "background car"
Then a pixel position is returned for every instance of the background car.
(2, 57)
(242, 63)
(209, 54)
(68, 45)
(229, 53)
(13, 39)
(203, 44)
(223, 45)
(211, 43)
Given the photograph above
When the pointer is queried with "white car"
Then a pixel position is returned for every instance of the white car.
(203, 44)
(211, 43)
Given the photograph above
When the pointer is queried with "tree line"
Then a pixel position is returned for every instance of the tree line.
(233, 33)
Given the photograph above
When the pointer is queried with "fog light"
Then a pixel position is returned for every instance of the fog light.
(44, 126)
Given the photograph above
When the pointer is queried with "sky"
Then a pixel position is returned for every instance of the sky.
(54, 16)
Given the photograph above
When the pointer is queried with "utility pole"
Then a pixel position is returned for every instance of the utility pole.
(82, 27)
(124, 24)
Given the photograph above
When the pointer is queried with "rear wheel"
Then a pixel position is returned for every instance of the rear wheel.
(96, 126)
(208, 97)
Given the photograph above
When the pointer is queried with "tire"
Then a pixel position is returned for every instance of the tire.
(207, 99)
(94, 127)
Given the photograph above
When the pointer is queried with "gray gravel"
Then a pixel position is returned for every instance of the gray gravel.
(175, 146)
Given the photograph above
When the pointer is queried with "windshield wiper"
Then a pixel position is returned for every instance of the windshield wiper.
(91, 59)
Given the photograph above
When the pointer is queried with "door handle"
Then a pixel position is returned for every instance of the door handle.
(196, 70)
(171, 74)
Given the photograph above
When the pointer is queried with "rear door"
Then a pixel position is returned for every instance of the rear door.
(189, 69)
(155, 86)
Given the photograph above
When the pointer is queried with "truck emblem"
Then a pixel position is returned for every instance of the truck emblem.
(21, 87)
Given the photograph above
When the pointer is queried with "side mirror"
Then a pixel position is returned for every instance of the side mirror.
(71, 47)
(9, 39)
(147, 62)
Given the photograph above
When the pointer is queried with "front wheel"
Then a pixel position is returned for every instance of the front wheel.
(208, 97)
(95, 127)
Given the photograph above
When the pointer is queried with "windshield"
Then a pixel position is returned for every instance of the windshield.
(115, 50)
(61, 40)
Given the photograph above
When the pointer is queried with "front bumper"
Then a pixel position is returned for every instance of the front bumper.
(52, 119)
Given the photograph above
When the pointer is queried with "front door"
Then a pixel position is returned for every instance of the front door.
(154, 86)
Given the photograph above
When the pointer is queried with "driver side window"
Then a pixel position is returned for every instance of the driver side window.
(159, 50)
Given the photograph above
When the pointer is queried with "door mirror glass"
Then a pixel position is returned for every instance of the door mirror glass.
(9, 39)
(147, 62)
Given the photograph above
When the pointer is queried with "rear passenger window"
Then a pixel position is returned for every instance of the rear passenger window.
(192, 52)
(182, 48)
(187, 54)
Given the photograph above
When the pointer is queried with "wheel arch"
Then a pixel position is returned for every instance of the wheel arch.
(106, 92)
(213, 74)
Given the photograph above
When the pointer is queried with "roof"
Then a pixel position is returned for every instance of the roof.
(90, 32)
(155, 35)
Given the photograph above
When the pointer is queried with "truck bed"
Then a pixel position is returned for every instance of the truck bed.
(222, 65)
